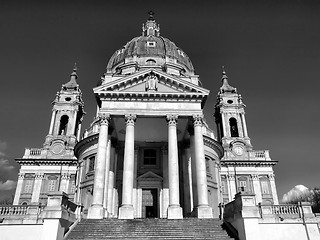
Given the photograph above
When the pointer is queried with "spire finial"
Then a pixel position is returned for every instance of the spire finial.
(151, 13)
(74, 71)
(223, 71)
(225, 85)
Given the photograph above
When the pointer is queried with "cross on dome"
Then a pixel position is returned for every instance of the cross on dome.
(151, 28)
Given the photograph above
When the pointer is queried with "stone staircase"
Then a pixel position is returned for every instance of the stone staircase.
(189, 228)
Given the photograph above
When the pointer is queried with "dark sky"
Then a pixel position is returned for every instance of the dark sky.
(270, 49)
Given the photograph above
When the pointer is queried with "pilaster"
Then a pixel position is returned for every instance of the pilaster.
(37, 187)
(18, 189)
(256, 187)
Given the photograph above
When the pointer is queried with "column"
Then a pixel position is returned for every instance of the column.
(232, 185)
(202, 209)
(111, 181)
(53, 117)
(193, 169)
(134, 192)
(187, 187)
(223, 122)
(96, 209)
(37, 188)
(165, 187)
(174, 209)
(273, 189)
(106, 178)
(126, 210)
(64, 182)
(245, 131)
(256, 187)
(18, 189)
(79, 132)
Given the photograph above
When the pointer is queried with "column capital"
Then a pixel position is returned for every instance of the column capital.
(21, 176)
(231, 177)
(130, 119)
(65, 176)
(255, 177)
(172, 119)
(104, 118)
(39, 176)
(197, 119)
(271, 176)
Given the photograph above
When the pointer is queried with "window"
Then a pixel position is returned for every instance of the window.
(243, 184)
(150, 157)
(233, 127)
(151, 44)
(28, 186)
(72, 187)
(208, 164)
(51, 185)
(63, 125)
(92, 160)
(151, 62)
(265, 189)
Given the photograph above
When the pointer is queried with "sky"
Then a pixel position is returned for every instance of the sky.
(270, 50)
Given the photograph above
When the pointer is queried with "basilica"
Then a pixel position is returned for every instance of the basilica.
(149, 152)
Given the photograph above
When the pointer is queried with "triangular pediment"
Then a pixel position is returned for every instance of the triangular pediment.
(151, 81)
(150, 175)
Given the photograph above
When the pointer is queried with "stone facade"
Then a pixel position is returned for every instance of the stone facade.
(149, 152)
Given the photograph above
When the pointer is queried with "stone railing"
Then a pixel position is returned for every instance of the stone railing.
(22, 214)
(284, 210)
(93, 129)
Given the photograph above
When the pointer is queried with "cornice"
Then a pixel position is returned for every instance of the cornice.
(38, 162)
(83, 143)
(244, 163)
(211, 143)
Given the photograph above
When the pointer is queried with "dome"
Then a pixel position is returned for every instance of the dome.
(150, 49)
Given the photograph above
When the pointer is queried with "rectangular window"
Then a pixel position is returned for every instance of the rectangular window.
(28, 186)
(91, 163)
(51, 185)
(265, 187)
(72, 187)
(150, 157)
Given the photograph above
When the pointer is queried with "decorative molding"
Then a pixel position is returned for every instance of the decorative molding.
(197, 120)
(65, 176)
(271, 176)
(130, 119)
(172, 119)
(104, 118)
(255, 177)
(39, 176)
(21, 176)
(231, 177)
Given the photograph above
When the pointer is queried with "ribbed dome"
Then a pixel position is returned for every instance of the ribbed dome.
(150, 49)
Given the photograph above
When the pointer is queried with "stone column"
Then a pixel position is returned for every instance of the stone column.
(256, 187)
(126, 211)
(18, 189)
(232, 185)
(165, 187)
(37, 188)
(111, 181)
(273, 189)
(187, 182)
(245, 131)
(174, 209)
(193, 169)
(96, 209)
(202, 209)
(106, 178)
(53, 117)
(134, 191)
(64, 182)
(224, 123)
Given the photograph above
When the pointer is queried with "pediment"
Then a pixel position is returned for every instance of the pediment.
(151, 81)
(150, 175)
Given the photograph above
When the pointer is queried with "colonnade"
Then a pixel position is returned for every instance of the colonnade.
(126, 210)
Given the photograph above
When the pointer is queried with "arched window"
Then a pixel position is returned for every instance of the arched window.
(151, 62)
(233, 127)
(63, 125)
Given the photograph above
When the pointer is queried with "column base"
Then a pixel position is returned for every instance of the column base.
(175, 212)
(126, 212)
(96, 212)
(202, 212)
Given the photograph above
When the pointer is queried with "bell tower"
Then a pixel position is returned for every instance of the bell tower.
(67, 114)
(242, 168)
(230, 115)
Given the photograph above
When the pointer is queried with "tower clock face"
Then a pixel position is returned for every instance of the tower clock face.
(238, 150)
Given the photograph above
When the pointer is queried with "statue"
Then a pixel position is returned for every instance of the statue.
(151, 83)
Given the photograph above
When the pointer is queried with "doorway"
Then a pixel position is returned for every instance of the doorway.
(150, 203)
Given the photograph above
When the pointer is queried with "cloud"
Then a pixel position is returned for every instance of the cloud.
(7, 185)
(297, 194)
(5, 165)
